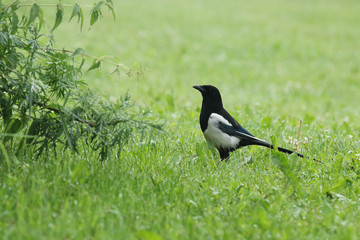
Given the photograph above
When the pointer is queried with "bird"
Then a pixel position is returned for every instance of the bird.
(222, 130)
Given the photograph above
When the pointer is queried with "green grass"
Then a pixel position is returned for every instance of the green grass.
(275, 62)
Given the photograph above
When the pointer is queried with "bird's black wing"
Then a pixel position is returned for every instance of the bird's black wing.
(233, 122)
(245, 137)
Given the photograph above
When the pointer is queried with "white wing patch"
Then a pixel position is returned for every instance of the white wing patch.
(217, 137)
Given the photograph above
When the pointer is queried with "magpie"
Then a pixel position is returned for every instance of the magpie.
(221, 129)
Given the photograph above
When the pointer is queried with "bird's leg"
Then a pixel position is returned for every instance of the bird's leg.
(224, 154)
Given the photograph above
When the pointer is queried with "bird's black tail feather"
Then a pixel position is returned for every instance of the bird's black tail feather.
(247, 139)
(284, 150)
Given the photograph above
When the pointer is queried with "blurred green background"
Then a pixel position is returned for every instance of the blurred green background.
(279, 56)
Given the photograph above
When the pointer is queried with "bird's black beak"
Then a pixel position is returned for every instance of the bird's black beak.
(200, 88)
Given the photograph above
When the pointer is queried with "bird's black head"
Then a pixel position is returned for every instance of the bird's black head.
(211, 95)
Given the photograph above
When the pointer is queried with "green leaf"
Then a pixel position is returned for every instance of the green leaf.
(96, 64)
(97, 6)
(34, 13)
(14, 22)
(78, 51)
(110, 6)
(81, 64)
(81, 17)
(94, 18)
(59, 16)
(66, 132)
(3, 38)
(76, 11)
(41, 18)
(95, 13)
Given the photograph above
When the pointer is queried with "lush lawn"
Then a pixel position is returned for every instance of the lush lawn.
(276, 63)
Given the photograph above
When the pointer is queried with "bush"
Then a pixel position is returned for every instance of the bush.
(43, 102)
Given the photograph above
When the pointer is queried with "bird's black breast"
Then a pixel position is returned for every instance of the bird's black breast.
(204, 118)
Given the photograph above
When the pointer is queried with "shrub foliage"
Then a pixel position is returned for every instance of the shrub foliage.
(44, 103)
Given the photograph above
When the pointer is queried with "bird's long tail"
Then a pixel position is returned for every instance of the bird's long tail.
(251, 140)
(284, 150)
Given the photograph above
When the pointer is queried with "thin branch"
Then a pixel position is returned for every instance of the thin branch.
(101, 59)
(49, 5)
(58, 111)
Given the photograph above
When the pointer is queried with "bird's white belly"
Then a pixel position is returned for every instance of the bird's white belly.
(214, 135)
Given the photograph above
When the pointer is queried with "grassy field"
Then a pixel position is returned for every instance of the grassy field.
(276, 62)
